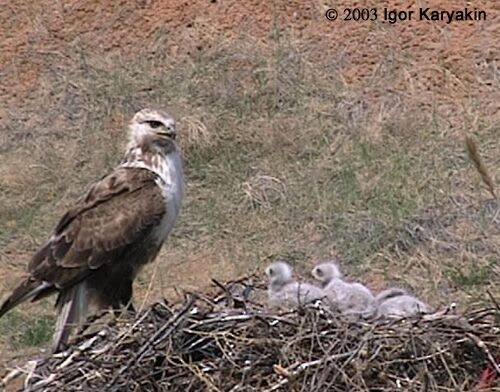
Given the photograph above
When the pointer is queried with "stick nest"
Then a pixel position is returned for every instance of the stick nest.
(227, 342)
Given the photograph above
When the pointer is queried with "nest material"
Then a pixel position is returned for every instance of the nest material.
(229, 343)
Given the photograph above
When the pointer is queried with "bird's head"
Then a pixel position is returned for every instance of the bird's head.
(279, 273)
(154, 129)
(326, 271)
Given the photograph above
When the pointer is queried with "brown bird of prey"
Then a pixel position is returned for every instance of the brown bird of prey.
(101, 243)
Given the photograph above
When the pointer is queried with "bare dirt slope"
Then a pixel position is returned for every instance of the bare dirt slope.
(424, 58)
(303, 138)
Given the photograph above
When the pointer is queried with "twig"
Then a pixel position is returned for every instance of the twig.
(304, 366)
(479, 343)
(493, 299)
(161, 334)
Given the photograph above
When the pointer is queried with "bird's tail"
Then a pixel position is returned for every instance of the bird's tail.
(28, 289)
(389, 293)
(72, 304)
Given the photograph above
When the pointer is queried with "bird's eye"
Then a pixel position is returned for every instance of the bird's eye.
(155, 124)
(271, 272)
(319, 272)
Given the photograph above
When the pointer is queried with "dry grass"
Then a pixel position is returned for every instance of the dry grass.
(480, 166)
(333, 169)
(263, 191)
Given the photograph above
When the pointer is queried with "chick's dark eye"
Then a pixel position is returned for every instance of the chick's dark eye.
(155, 124)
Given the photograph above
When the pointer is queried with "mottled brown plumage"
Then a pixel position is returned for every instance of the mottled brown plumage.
(99, 228)
(97, 248)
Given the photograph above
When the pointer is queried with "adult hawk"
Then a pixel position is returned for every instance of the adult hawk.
(100, 244)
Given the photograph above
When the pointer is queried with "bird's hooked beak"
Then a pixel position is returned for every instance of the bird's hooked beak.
(166, 132)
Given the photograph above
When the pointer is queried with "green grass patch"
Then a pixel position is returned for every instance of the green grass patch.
(25, 330)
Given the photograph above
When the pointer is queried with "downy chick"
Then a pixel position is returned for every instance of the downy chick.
(283, 290)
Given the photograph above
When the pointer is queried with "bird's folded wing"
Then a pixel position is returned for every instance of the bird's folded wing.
(120, 209)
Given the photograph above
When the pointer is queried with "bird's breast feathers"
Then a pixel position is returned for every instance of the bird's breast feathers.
(171, 182)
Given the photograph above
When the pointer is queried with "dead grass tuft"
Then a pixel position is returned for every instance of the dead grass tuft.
(195, 134)
(475, 157)
(263, 191)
